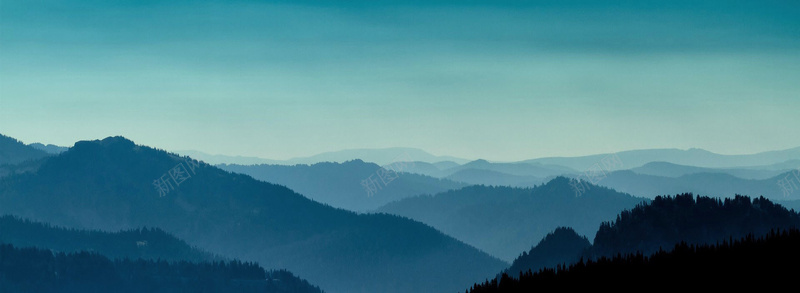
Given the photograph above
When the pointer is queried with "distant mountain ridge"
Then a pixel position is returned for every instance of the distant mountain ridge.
(710, 184)
(341, 185)
(381, 157)
(494, 178)
(691, 157)
(656, 162)
(505, 221)
(483, 172)
(49, 148)
(674, 170)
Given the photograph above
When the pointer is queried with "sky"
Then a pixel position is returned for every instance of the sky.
(498, 80)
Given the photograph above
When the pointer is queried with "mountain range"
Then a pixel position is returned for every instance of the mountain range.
(709, 184)
(749, 260)
(153, 244)
(34, 269)
(628, 159)
(669, 220)
(665, 169)
(692, 157)
(381, 157)
(659, 225)
(342, 185)
(505, 221)
(13, 151)
(443, 222)
(48, 148)
(114, 184)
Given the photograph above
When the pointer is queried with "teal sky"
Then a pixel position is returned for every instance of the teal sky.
(500, 80)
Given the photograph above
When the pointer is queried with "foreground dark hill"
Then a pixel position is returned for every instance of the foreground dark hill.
(561, 247)
(109, 185)
(40, 270)
(752, 261)
(684, 218)
(340, 184)
(137, 243)
(660, 224)
(505, 221)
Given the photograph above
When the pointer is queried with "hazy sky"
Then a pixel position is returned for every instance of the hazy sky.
(487, 79)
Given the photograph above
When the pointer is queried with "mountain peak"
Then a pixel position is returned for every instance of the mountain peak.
(561, 246)
(699, 150)
(478, 162)
(561, 182)
(108, 142)
(116, 141)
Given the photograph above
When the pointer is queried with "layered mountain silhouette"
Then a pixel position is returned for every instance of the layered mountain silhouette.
(645, 173)
(114, 184)
(505, 221)
(341, 185)
(652, 172)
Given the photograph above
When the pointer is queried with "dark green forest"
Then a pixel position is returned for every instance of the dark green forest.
(668, 220)
(767, 260)
(146, 243)
(659, 225)
(40, 270)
